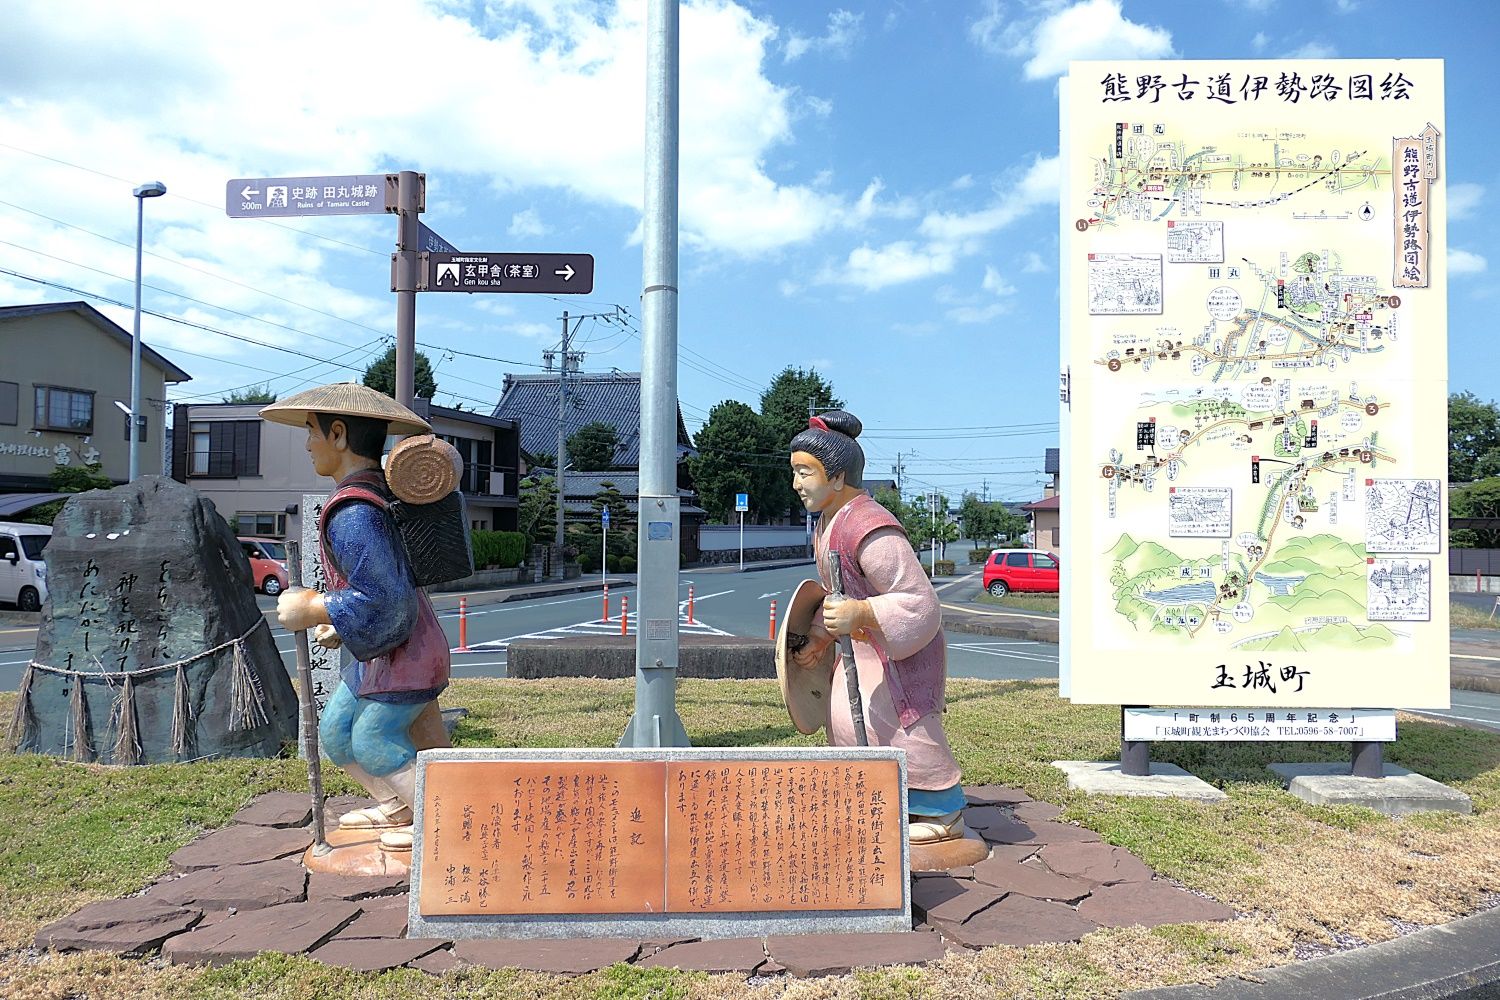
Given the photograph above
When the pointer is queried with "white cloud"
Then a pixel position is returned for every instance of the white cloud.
(993, 282)
(947, 236)
(1346, 6)
(527, 223)
(1313, 50)
(211, 110)
(1039, 185)
(1463, 199)
(1465, 262)
(1254, 6)
(838, 40)
(962, 183)
(893, 264)
(1260, 41)
(1089, 29)
(1033, 263)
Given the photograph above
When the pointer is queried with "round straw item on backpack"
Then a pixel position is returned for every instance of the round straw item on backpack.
(423, 469)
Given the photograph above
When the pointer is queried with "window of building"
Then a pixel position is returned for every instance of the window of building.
(10, 403)
(224, 449)
(59, 409)
(260, 523)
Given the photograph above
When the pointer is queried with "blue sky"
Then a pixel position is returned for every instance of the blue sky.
(869, 189)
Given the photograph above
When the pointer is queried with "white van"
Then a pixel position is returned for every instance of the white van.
(23, 574)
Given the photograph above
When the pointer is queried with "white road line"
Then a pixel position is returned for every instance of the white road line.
(1462, 718)
(1463, 656)
(1013, 656)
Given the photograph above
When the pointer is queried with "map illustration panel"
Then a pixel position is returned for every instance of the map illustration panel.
(1256, 345)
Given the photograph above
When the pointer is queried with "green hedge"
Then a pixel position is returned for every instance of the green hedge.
(979, 555)
(504, 549)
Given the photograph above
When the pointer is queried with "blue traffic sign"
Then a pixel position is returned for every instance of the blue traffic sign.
(742, 501)
(604, 516)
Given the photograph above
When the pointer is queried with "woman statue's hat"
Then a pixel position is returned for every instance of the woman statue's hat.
(346, 399)
(804, 689)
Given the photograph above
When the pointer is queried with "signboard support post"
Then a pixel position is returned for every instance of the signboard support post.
(408, 202)
(1368, 760)
(742, 541)
(1135, 755)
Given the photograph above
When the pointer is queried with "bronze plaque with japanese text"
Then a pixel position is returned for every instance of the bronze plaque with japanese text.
(650, 837)
(543, 837)
(783, 835)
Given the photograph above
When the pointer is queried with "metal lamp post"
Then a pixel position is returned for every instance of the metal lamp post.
(153, 189)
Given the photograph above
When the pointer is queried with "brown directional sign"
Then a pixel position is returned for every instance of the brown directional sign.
(534, 273)
(709, 836)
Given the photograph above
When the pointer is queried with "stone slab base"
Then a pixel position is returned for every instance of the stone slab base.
(1166, 781)
(970, 849)
(700, 656)
(1399, 793)
(357, 852)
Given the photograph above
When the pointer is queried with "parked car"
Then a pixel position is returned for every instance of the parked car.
(1021, 569)
(23, 574)
(267, 563)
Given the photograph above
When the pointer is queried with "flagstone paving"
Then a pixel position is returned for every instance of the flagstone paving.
(244, 892)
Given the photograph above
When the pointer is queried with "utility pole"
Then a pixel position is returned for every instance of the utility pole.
(569, 362)
(655, 722)
(898, 469)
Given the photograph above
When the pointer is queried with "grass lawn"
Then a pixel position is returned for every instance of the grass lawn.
(1028, 602)
(74, 833)
(1463, 616)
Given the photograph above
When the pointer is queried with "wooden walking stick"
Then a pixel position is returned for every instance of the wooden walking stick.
(309, 705)
(846, 655)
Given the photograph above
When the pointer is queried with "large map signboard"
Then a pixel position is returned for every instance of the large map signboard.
(1257, 352)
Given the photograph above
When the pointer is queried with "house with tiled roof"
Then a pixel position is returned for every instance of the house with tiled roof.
(613, 398)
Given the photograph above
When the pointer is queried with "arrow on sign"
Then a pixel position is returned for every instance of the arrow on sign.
(566, 271)
(248, 191)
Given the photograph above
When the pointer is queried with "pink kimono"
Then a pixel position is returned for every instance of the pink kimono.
(902, 667)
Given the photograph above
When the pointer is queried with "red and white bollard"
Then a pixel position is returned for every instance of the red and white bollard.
(624, 613)
(606, 603)
(690, 604)
(772, 636)
(463, 626)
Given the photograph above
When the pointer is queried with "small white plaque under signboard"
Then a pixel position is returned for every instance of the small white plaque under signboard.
(1306, 725)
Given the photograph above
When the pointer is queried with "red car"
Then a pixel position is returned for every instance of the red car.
(267, 563)
(1021, 569)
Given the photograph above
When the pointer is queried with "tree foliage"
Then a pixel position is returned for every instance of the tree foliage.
(737, 454)
(784, 404)
(251, 394)
(783, 408)
(1473, 438)
(536, 515)
(1479, 499)
(591, 448)
(988, 521)
(68, 479)
(381, 376)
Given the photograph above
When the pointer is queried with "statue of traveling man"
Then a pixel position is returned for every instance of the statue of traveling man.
(891, 612)
(372, 605)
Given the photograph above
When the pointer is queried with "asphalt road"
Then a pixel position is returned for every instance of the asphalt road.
(725, 601)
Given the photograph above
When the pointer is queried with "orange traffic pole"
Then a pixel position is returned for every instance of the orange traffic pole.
(772, 636)
(463, 625)
(690, 604)
(624, 613)
(606, 603)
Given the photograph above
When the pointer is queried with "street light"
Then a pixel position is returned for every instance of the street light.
(152, 189)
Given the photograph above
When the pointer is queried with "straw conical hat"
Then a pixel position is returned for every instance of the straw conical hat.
(348, 399)
(804, 689)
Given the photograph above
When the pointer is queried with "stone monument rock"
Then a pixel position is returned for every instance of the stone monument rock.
(151, 647)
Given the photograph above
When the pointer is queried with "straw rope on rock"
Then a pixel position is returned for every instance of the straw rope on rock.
(423, 469)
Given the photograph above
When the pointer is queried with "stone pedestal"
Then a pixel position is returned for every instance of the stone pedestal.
(356, 852)
(1166, 781)
(970, 849)
(1399, 793)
